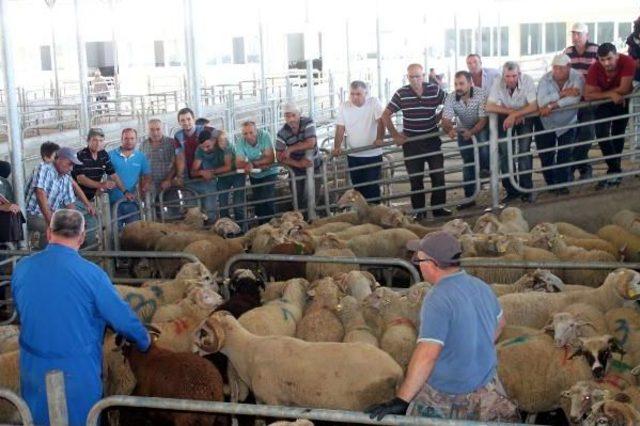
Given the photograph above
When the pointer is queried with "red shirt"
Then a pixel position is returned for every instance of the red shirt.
(596, 76)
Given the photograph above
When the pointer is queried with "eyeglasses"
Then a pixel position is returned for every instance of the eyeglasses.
(416, 76)
(417, 261)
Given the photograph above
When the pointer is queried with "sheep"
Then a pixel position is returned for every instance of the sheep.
(162, 373)
(629, 220)
(588, 277)
(513, 331)
(117, 377)
(299, 422)
(291, 372)
(594, 244)
(245, 293)
(226, 227)
(457, 228)
(355, 327)
(533, 309)
(199, 302)
(320, 322)
(329, 245)
(214, 254)
(358, 284)
(9, 379)
(354, 231)
(266, 237)
(576, 320)
(278, 317)
(570, 230)
(624, 324)
(378, 214)
(350, 217)
(9, 335)
(195, 271)
(512, 220)
(585, 393)
(627, 242)
(539, 280)
(273, 290)
(385, 243)
(611, 412)
(178, 241)
(330, 227)
(478, 245)
(175, 335)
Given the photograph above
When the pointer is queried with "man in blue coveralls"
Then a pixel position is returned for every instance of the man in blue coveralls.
(65, 302)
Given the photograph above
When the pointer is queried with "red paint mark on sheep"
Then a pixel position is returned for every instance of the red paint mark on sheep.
(180, 326)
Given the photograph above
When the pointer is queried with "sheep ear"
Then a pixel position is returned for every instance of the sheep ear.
(614, 346)
(549, 326)
(566, 394)
(636, 370)
(576, 353)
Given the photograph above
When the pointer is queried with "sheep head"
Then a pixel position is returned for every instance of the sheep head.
(226, 227)
(583, 395)
(351, 198)
(196, 271)
(359, 284)
(205, 298)
(457, 228)
(597, 352)
(209, 337)
(394, 219)
(626, 283)
(539, 280)
(330, 241)
(612, 413)
(194, 217)
(488, 223)
(512, 214)
(566, 328)
(294, 217)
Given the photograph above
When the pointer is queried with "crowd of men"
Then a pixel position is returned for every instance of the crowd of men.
(214, 166)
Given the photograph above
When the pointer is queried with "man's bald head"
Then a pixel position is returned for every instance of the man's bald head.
(67, 228)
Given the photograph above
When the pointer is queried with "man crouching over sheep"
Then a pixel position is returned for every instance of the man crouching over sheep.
(64, 302)
(453, 369)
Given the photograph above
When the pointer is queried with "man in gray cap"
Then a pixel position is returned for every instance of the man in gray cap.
(50, 189)
(454, 365)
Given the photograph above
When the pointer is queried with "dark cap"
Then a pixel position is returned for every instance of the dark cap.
(208, 133)
(441, 246)
(68, 154)
(95, 131)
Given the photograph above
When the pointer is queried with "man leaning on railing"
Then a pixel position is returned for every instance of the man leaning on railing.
(161, 155)
(512, 97)
(560, 87)
(610, 78)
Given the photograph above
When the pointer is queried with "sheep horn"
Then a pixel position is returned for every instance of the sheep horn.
(153, 330)
(618, 410)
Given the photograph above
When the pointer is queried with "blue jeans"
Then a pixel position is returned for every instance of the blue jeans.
(557, 156)
(209, 202)
(469, 159)
(266, 191)
(524, 163)
(224, 184)
(125, 208)
(368, 174)
(90, 225)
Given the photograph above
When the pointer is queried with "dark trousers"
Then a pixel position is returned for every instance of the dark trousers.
(612, 128)
(557, 156)
(266, 191)
(301, 186)
(365, 175)
(430, 153)
(469, 159)
(519, 145)
(224, 185)
(584, 133)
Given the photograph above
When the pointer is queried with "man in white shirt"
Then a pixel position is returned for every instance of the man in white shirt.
(360, 117)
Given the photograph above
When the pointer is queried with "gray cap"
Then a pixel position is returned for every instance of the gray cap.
(69, 154)
(441, 246)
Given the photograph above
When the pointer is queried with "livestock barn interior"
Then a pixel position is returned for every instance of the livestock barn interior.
(260, 283)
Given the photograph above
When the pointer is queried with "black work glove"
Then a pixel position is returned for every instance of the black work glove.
(394, 406)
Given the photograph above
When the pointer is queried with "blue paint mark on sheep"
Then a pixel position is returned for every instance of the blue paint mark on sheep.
(515, 341)
(138, 303)
(157, 291)
(623, 326)
(287, 313)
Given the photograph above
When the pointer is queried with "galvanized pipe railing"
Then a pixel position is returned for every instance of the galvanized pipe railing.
(374, 261)
(496, 263)
(20, 404)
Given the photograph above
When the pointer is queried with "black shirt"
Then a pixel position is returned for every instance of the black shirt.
(93, 169)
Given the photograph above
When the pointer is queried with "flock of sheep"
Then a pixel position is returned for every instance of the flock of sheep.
(329, 336)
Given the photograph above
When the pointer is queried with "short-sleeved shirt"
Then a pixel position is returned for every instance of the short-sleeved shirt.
(626, 67)
(361, 124)
(249, 152)
(461, 313)
(467, 113)
(187, 145)
(58, 187)
(215, 158)
(549, 91)
(419, 113)
(488, 76)
(581, 63)
(160, 157)
(521, 96)
(129, 169)
(286, 137)
(92, 168)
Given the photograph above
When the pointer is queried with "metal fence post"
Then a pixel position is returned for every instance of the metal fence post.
(289, 88)
(56, 399)
(310, 94)
(275, 116)
(230, 114)
(311, 187)
(494, 161)
(332, 88)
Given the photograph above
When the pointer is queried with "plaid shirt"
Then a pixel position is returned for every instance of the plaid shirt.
(160, 159)
(58, 188)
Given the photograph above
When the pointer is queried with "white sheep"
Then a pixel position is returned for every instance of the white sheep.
(358, 284)
(574, 321)
(320, 322)
(198, 302)
(9, 335)
(9, 379)
(584, 394)
(355, 327)
(629, 220)
(386, 243)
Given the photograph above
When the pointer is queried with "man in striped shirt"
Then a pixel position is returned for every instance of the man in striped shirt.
(582, 54)
(419, 102)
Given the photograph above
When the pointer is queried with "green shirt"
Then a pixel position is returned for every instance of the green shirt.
(6, 190)
(248, 152)
(215, 158)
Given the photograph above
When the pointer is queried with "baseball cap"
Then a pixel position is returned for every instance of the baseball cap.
(579, 27)
(561, 60)
(441, 246)
(95, 131)
(68, 154)
(207, 134)
(291, 108)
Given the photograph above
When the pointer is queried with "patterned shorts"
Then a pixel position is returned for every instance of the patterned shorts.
(488, 404)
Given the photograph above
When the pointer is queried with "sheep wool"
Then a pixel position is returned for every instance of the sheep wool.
(627, 242)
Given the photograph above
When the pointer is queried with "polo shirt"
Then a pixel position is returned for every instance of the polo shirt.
(468, 113)
(58, 188)
(92, 168)
(215, 158)
(461, 314)
(418, 112)
(522, 95)
(626, 67)
(286, 137)
(361, 124)
(581, 63)
(549, 91)
(160, 158)
(188, 144)
(248, 152)
(129, 169)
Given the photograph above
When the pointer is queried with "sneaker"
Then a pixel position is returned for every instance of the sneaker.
(442, 212)
(615, 181)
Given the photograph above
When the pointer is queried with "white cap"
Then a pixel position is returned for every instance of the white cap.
(579, 27)
(290, 107)
(561, 60)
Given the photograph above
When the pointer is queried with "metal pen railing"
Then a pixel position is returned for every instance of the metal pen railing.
(20, 404)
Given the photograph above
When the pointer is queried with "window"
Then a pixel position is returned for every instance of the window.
(295, 47)
(449, 42)
(486, 42)
(624, 29)
(45, 58)
(99, 54)
(591, 26)
(503, 33)
(466, 40)
(605, 32)
(158, 52)
(555, 36)
(530, 39)
(238, 50)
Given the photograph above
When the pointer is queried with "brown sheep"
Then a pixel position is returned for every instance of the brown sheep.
(329, 245)
(320, 322)
(627, 242)
(385, 243)
(378, 214)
